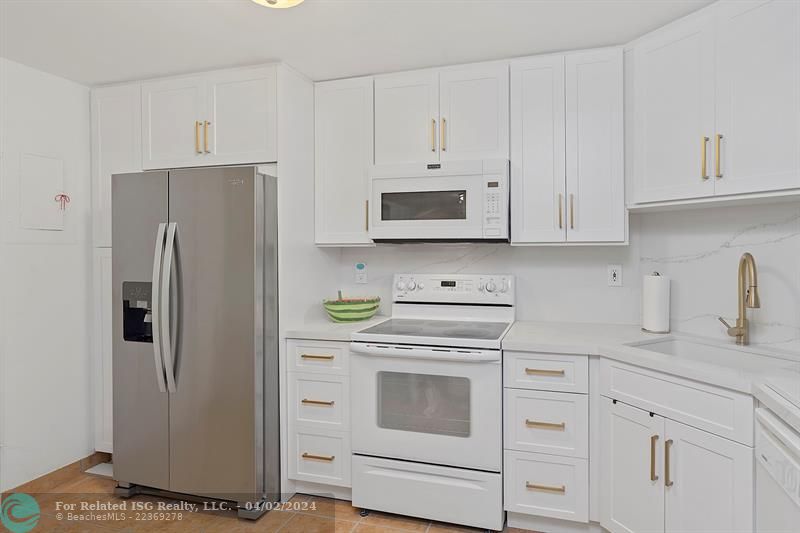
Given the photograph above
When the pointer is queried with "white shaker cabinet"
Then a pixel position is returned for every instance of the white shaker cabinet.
(116, 148)
(173, 119)
(567, 166)
(343, 155)
(407, 117)
(217, 118)
(758, 96)
(473, 112)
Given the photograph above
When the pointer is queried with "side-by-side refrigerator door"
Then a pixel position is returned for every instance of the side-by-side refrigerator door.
(141, 403)
(216, 287)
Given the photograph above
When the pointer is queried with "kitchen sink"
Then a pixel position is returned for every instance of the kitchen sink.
(711, 354)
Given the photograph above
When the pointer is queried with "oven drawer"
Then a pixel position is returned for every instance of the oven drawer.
(319, 456)
(544, 371)
(318, 356)
(319, 400)
(545, 485)
(547, 422)
(455, 495)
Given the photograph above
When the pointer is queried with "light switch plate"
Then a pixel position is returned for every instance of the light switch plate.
(361, 273)
(615, 275)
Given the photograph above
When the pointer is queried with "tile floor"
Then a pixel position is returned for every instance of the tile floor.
(324, 516)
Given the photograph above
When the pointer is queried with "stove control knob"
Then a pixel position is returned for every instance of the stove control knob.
(412, 285)
(401, 285)
(491, 287)
(420, 285)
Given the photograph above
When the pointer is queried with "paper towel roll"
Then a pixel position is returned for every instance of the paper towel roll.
(655, 303)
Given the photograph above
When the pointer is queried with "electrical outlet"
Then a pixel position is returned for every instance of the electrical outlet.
(361, 273)
(615, 275)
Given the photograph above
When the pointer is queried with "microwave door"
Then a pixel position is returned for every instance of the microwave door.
(427, 208)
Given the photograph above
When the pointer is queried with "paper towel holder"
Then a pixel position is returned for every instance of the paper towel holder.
(657, 274)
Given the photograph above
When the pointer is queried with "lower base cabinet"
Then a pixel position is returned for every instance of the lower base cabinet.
(659, 475)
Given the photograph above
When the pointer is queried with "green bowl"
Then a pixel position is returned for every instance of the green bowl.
(352, 310)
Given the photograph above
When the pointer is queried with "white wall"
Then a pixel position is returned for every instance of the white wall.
(698, 249)
(44, 281)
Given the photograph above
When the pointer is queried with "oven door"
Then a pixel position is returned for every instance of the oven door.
(428, 208)
(427, 404)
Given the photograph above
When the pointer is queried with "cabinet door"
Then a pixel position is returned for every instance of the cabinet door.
(595, 162)
(343, 155)
(758, 96)
(116, 148)
(631, 469)
(173, 112)
(102, 377)
(674, 107)
(407, 118)
(241, 116)
(473, 110)
(538, 175)
(710, 482)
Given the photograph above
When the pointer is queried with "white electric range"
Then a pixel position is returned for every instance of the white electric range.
(427, 400)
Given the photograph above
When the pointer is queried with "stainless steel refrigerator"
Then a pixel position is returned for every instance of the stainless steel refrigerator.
(195, 359)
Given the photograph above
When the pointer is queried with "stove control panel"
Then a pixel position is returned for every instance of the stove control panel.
(454, 288)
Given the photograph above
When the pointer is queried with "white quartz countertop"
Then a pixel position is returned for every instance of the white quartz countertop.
(324, 329)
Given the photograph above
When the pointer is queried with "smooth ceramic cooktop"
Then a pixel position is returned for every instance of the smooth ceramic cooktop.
(448, 329)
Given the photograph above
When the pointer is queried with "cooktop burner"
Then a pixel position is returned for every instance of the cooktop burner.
(446, 329)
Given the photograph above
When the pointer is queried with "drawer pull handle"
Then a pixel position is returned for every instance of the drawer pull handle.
(317, 357)
(653, 475)
(543, 372)
(545, 425)
(313, 457)
(306, 401)
(546, 488)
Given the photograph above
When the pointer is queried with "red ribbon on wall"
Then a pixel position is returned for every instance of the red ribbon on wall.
(63, 199)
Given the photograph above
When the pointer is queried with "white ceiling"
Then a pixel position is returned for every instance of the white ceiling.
(103, 41)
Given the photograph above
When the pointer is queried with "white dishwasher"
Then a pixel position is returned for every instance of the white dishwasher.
(777, 475)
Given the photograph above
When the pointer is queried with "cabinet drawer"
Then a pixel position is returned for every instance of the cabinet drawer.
(319, 400)
(545, 485)
(544, 371)
(719, 411)
(319, 356)
(547, 422)
(319, 456)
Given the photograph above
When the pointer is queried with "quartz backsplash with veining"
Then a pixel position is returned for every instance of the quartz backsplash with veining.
(698, 248)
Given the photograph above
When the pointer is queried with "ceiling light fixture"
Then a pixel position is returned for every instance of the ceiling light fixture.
(280, 4)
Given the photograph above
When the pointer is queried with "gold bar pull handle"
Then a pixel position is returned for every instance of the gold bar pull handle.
(317, 357)
(717, 156)
(205, 136)
(197, 124)
(544, 372)
(306, 401)
(571, 211)
(443, 141)
(433, 135)
(703, 158)
(561, 426)
(366, 215)
(560, 211)
(667, 479)
(653, 441)
(546, 488)
(315, 457)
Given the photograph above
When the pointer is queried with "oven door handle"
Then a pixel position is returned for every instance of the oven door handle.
(461, 355)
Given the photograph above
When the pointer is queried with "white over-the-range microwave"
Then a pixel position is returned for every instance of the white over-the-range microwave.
(448, 201)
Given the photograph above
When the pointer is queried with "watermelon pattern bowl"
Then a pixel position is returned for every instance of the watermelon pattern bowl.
(351, 309)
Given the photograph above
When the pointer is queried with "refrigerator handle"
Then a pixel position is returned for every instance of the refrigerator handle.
(155, 304)
(166, 281)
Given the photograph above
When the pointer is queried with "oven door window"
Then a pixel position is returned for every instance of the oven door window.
(422, 403)
(426, 205)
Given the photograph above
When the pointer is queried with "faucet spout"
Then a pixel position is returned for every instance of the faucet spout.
(748, 297)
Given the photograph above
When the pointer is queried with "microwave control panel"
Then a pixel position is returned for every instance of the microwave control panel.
(495, 197)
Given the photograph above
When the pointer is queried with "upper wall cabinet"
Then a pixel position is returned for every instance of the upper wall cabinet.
(219, 118)
(343, 156)
(567, 175)
(452, 114)
(717, 103)
(116, 148)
